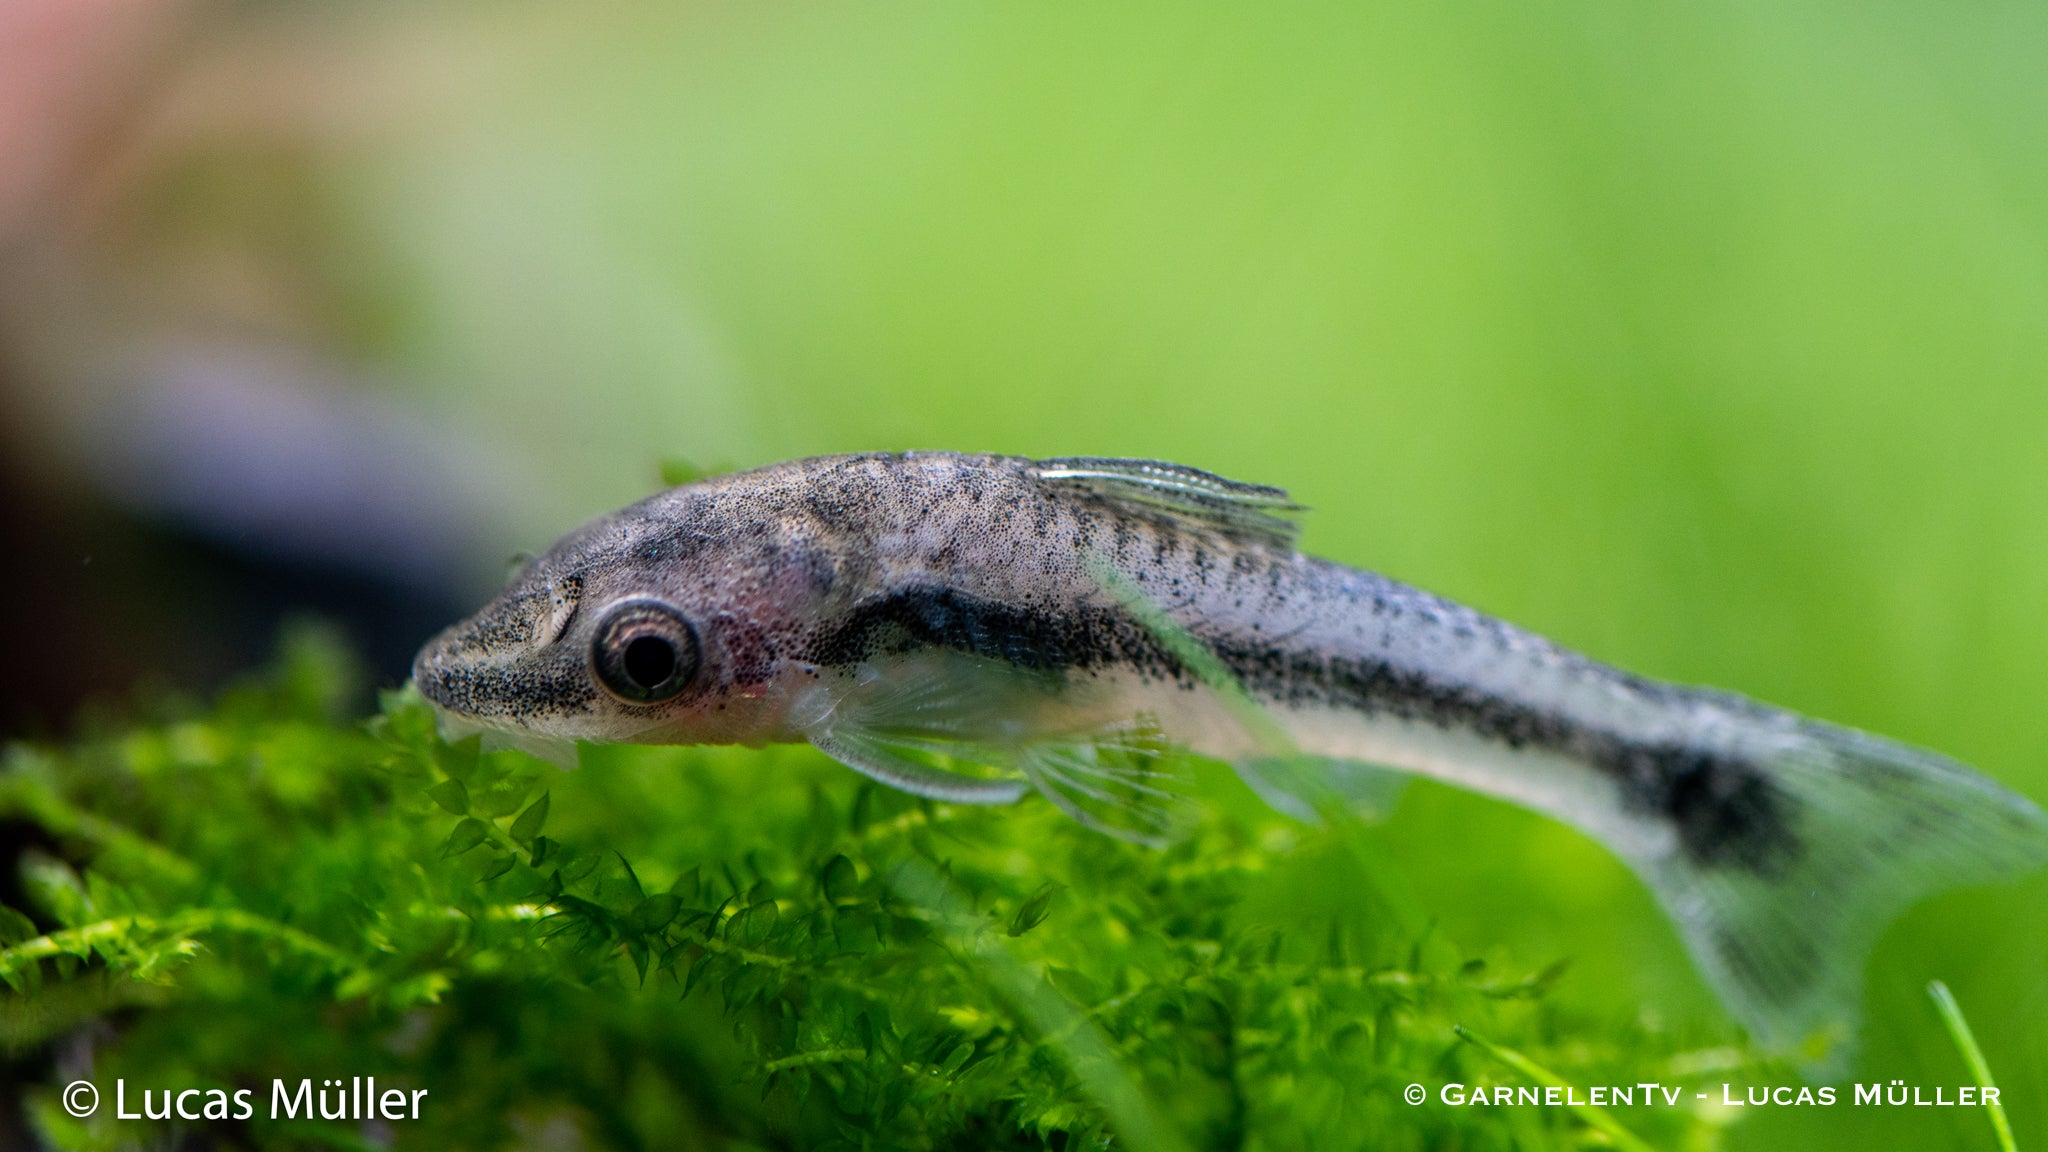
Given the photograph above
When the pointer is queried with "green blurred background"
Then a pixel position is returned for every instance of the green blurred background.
(1713, 342)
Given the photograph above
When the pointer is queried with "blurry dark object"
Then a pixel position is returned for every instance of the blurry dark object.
(95, 600)
(262, 456)
(182, 470)
(206, 496)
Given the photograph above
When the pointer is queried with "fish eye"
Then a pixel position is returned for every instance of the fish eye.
(645, 652)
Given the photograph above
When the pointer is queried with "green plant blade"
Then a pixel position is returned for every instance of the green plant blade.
(1594, 1115)
(1966, 1043)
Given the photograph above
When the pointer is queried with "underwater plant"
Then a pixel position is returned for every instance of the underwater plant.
(727, 948)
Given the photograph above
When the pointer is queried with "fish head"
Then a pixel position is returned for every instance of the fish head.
(668, 622)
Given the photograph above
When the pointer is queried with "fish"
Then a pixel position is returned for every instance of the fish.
(975, 628)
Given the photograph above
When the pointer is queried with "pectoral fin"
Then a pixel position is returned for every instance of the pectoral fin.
(897, 720)
(915, 723)
(554, 749)
(893, 764)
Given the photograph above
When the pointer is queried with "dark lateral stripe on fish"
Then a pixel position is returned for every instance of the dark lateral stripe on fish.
(1726, 811)
(936, 616)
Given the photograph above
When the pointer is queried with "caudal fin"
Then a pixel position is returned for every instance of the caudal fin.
(1871, 827)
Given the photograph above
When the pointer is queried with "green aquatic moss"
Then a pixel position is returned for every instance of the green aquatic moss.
(727, 948)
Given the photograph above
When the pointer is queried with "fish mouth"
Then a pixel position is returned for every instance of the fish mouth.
(444, 681)
(442, 687)
(511, 703)
(451, 689)
(453, 726)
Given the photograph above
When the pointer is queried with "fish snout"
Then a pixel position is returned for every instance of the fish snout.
(441, 675)
(480, 670)
(457, 668)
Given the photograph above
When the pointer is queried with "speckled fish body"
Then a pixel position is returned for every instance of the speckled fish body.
(1057, 622)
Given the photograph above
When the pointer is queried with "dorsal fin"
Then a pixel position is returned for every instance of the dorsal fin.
(1156, 488)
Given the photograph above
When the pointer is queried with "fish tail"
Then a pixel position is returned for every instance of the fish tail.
(1859, 828)
(1780, 846)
